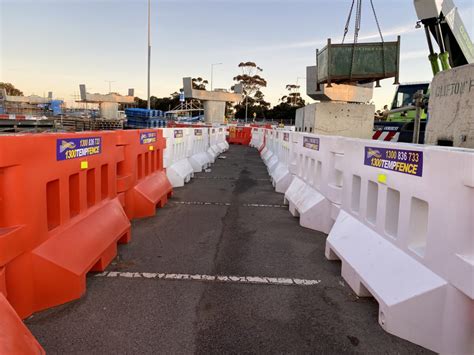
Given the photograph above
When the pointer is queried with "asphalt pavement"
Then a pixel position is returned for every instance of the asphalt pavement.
(223, 268)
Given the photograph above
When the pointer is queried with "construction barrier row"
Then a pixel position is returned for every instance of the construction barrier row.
(398, 216)
(66, 201)
(190, 150)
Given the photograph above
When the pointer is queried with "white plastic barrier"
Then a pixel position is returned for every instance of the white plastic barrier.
(282, 174)
(315, 192)
(222, 139)
(405, 236)
(404, 229)
(175, 157)
(267, 153)
(256, 140)
(197, 149)
(272, 146)
(213, 151)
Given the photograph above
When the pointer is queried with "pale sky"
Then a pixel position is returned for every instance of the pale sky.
(55, 45)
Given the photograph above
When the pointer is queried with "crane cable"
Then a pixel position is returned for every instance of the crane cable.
(376, 20)
(358, 21)
(346, 29)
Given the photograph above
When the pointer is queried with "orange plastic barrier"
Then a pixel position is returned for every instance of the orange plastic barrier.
(60, 216)
(240, 135)
(142, 182)
(3, 282)
(15, 338)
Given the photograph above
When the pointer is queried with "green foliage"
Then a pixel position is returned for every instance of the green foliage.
(199, 83)
(10, 89)
(163, 104)
(294, 97)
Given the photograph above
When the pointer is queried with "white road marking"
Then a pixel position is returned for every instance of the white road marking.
(226, 178)
(227, 204)
(256, 280)
(264, 206)
(195, 203)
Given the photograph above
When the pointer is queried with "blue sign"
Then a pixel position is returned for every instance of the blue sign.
(311, 143)
(148, 138)
(408, 162)
(73, 148)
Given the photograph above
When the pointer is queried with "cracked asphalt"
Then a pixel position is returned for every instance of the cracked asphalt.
(229, 236)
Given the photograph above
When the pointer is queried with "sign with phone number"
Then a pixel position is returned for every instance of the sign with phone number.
(401, 161)
(148, 138)
(73, 148)
(311, 143)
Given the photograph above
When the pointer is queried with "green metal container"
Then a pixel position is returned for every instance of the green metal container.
(361, 62)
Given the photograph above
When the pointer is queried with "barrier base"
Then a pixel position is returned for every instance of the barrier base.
(199, 162)
(266, 155)
(15, 338)
(149, 194)
(272, 164)
(223, 147)
(314, 210)
(180, 173)
(212, 155)
(60, 264)
(281, 178)
(411, 297)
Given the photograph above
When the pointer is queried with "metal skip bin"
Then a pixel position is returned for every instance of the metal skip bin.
(359, 62)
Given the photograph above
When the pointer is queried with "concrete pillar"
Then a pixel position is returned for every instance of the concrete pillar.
(337, 119)
(109, 110)
(214, 111)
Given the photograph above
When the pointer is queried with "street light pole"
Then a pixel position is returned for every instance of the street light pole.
(212, 74)
(110, 85)
(149, 53)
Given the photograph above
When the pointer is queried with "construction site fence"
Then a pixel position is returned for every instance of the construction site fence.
(398, 216)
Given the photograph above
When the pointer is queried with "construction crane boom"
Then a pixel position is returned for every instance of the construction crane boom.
(442, 21)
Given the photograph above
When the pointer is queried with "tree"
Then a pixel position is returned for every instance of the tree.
(294, 97)
(163, 103)
(199, 83)
(10, 89)
(285, 111)
(252, 82)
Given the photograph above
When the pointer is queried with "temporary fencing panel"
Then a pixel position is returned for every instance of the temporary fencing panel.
(221, 139)
(315, 192)
(281, 174)
(240, 135)
(273, 147)
(60, 216)
(213, 151)
(267, 151)
(405, 236)
(3, 281)
(15, 338)
(403, 228)
(257, 137)
(178, 168)
(142, 182)
(199, 144)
